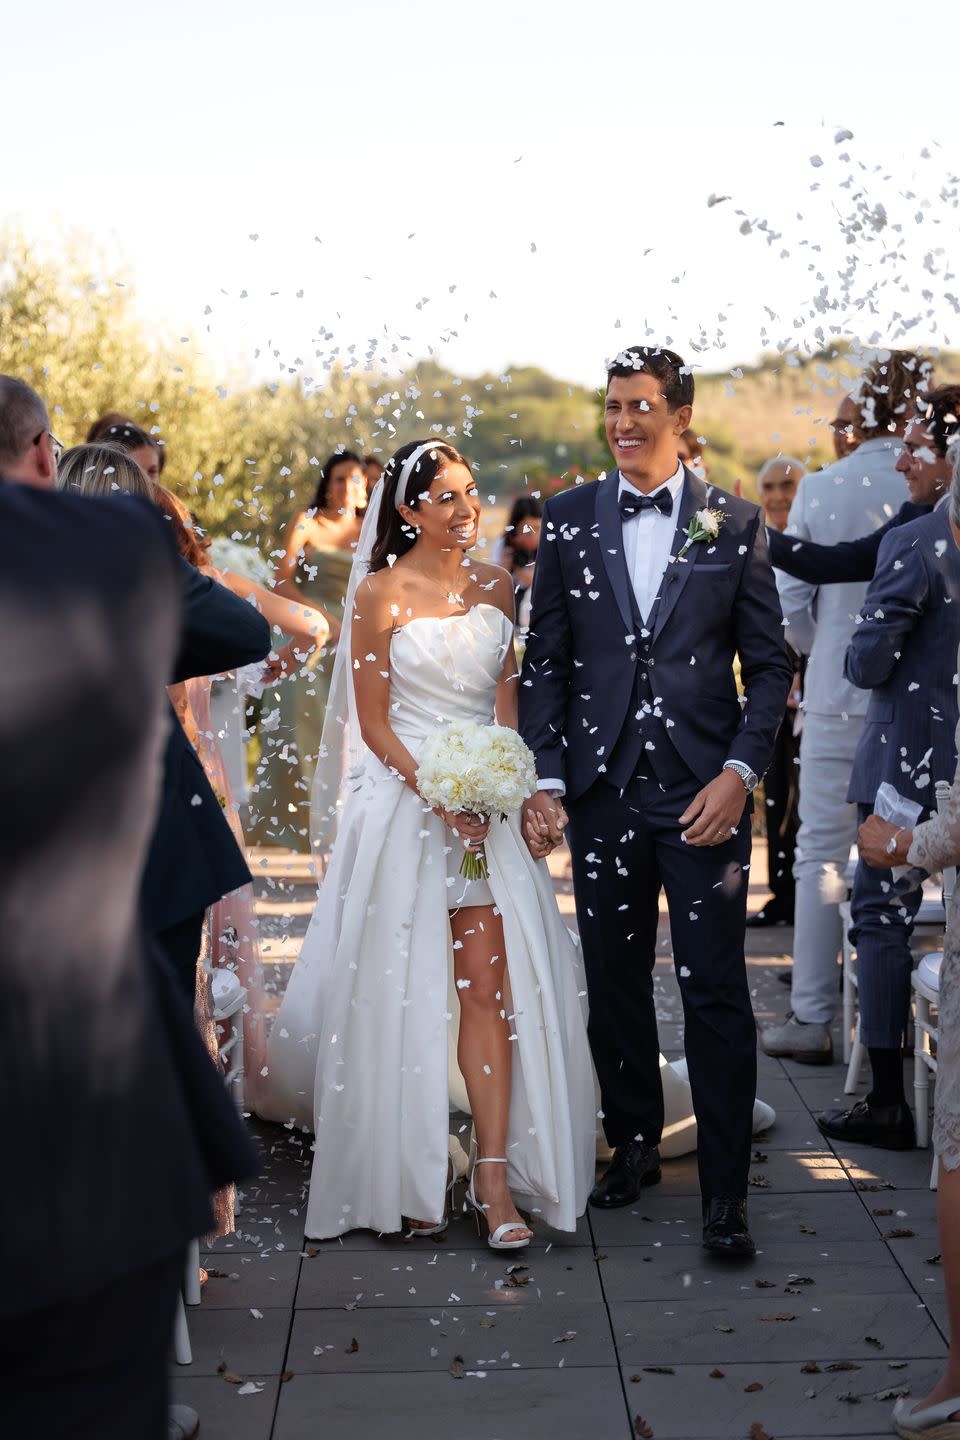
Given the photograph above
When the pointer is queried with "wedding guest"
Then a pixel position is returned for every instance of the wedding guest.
(926, 438)
(776, 485)
(193, 859)
(518, 554)
(932, 846)
(843, 427)
(232, 921)
(115, 429)
(372, 471)
(690, 452)
(315, 567)
(92, 1033)
(835, 504)
(29, 450)
(903, 652)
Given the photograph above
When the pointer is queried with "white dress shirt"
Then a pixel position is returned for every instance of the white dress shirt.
(647, 540)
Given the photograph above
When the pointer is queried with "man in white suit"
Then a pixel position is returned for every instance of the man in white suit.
(852, 497)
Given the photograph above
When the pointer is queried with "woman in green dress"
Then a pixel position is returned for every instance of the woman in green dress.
(315, 568)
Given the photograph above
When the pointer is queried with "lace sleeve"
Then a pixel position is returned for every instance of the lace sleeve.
(936, 842)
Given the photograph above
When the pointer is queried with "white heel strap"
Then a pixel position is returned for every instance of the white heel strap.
(491, 1160)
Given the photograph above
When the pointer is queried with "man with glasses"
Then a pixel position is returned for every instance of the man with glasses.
(29, 451)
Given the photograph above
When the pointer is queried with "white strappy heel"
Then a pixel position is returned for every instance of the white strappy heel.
(495, 1239)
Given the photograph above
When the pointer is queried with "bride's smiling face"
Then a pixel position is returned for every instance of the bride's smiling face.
(449, 513)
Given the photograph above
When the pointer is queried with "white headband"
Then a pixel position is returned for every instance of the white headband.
(399, 495)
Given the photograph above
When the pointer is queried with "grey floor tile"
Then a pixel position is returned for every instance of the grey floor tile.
(657, 1332)
(245, 1342)
(672, 1220)
(690, 1405)
(224, 1413)
(244, 1279)
(258, 1234)
(793, 1129)
(823, 1089)
(519, 1405)
(906, 1169)
(687, 1272)
(785, 1170)
(461, 1235)
(427, 1339)
(919, 1258)
(421, 1276)
(914, 1210)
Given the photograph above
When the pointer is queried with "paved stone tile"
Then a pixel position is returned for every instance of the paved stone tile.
(909, 1169)
(519, 1405)
(245, 1279)
(224, 1413)
(919, 1259)
(246, 1344)
(690, 1405)
(823, 1089)
(687, 1272)
(794, 1129)
(657, 1332)
(785, 1170)
(486, 1337)
(261, 1233)
(461, 1235)
(425, 1276)
(914, 1210)
(676, 1220)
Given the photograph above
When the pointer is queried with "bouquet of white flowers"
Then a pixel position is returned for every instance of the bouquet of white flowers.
(229, 553)
(480, 769)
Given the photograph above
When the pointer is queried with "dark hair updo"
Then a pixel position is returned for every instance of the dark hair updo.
(394, 536)
(339, 457)
(116, 429)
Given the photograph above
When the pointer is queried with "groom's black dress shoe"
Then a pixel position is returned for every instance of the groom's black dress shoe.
(633, 1167)
(890, 1127)
(725, 1229)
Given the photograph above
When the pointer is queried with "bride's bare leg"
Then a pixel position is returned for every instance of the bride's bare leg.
(485, 1051)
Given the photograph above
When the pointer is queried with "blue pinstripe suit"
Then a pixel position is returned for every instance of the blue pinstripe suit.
(904, 650)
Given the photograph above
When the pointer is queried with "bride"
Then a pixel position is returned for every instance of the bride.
(400, 946)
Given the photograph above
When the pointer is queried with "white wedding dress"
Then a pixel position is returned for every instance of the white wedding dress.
(363, 1050)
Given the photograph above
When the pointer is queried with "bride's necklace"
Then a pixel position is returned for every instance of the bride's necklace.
(453, 597)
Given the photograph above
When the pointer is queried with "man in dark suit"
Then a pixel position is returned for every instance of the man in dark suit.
(115, 1124)
(647, 585)
(857, 559)
(904, 651)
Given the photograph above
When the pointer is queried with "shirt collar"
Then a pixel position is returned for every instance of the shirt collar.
(674, 484)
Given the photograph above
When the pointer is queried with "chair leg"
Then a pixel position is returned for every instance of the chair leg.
(191, 1274)
(935, 1173)
(849, 999)
(182, 1352)
(921, 1072)
(856, 1061)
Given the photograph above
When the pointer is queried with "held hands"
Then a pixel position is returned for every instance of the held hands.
(544, 821)
(470, 829)
(715, 810)
(874, 836)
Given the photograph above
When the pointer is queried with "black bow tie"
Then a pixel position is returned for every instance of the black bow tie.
(631, 505)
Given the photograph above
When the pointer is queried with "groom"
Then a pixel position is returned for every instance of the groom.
(647, 586)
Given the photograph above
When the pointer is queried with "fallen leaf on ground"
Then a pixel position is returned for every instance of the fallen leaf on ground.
(878, 1213)
(806, 1230)
(456, 1368)
(841, 1365)
(752, 1388)
(811, 1368)
(487, 1324)
(659, 1370)
(641, 1428)
(757, 1432)
(758, 1158)
(896, 1392)
(872, 1340)
(353, 1347)
(352, 1305)
(898, 1235)
(561, 1339)
(765, 1284)
(724, 1329)
(286, 1376)
(231, 1376)
(780, 1315)
(635, 1379)
(718, 1374)
(759, 1182)
(849, 1398)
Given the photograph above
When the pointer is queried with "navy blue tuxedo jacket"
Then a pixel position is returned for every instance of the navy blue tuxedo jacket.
(834, 564)
(193, 858)
(578, 682)
(904, 650)
(115, 1125)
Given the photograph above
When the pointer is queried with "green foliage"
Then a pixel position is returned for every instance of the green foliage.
(246, 456)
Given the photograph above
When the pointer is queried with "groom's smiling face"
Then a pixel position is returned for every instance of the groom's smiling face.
(642, 431)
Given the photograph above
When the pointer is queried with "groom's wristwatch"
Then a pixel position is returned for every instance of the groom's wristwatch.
(750, 780)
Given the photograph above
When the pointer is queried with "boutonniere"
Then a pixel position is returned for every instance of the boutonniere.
(705, 525)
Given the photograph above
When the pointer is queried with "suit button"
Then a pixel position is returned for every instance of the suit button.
(650, 661)
(633, 654)
(644, 675)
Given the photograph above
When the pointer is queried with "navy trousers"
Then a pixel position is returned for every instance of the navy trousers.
(624, 851)
(883, 917)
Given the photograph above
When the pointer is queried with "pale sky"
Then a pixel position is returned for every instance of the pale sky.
(560, 156)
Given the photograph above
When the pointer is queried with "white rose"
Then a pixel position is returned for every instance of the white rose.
(708, 521)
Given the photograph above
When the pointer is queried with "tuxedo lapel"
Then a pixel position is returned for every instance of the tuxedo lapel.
(693, 498)
(610, 536)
